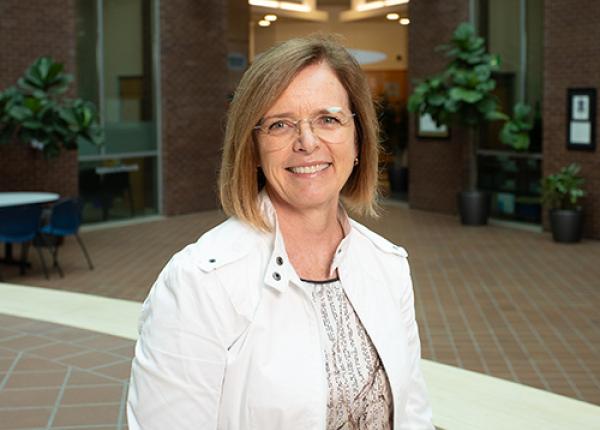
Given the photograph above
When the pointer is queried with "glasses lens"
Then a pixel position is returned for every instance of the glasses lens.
(277, 127)
(330, 127)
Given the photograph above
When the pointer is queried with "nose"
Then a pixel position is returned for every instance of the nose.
(306, 140)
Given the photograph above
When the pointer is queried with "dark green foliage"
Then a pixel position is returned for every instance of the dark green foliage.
(515, 131)
(562, 190)
(36, 113)
(462, 92)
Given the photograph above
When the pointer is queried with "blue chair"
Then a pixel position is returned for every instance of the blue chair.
(64, 220)
(19, 224)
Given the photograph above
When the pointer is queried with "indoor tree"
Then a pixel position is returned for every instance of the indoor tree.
(37, 113)
(462, 95)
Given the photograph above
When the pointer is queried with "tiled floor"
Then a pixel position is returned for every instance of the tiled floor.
(504, 302)
(57, 377)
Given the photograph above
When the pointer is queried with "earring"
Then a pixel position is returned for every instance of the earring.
(356, 161)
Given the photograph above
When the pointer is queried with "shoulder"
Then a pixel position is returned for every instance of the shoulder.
(222, 245)
(384, 261)
(379, 243)
(189, 290)
(210, 268)
(191, 272)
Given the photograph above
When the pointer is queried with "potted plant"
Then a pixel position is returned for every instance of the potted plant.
(462, 95)
(560, 192)
(35, 112)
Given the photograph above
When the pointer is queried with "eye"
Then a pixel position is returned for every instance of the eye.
(280, 125)
(328, 121)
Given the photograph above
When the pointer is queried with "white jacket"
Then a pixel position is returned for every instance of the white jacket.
(230, 340)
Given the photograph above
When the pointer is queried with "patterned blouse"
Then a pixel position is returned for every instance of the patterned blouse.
(359, 392)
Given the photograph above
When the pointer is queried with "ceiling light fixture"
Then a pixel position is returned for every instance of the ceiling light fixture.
(283, 5)
(392, 16)
(362, 7)
(264, 3)
(264, 23)
(271, 17)
(404, 21)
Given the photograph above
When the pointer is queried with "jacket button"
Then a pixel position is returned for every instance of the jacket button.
(279, 261)
(276, 276)
(212, 260)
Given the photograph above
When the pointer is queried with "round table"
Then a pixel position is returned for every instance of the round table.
(26, 198)
(20, 198)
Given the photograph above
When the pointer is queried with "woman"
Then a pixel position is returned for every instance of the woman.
(289, 315)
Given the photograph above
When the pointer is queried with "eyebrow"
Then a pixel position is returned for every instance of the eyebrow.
(331, 109)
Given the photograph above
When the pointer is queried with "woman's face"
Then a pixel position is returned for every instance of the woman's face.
(307, 169)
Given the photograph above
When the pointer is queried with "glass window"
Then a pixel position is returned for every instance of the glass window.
(127, 73)
(513, 29)
(115, 65)
(116, 188)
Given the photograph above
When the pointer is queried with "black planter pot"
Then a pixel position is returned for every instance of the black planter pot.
(474, 207)
(567, 225)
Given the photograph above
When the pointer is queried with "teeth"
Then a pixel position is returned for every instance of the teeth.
(309, 169)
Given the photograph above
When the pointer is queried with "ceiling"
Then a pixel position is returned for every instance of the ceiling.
(340, 3)
(343, 6)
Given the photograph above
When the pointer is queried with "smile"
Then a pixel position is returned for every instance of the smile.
(309, 169)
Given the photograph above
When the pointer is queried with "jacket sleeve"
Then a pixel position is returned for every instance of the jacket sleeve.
(180, 356)
(417, 412)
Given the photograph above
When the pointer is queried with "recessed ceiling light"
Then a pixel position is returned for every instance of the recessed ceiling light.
(271, 17)
(392, 16)
(264, 23)
(404, 21)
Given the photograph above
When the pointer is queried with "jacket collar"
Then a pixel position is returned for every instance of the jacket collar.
(279, 271)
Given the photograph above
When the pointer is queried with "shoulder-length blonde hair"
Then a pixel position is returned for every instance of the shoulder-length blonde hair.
(262, 84)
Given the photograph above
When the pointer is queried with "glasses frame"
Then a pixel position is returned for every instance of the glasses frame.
(297, 123)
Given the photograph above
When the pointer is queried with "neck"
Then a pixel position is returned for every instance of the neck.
(311, 236)
(315, 221)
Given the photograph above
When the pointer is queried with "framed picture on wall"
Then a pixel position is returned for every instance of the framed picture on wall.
(428, 129)
(581, 118)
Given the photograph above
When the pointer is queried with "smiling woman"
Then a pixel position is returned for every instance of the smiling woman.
(289, 315)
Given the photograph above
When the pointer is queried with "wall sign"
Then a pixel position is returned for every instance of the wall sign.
(581, 118)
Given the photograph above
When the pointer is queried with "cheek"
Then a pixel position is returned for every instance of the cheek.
(269, 161)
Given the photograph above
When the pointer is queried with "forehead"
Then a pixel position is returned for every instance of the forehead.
(315, 87)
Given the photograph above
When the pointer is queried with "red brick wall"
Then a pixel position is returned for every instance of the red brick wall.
(194, 89)
(437, 168)
(571, 59)
(29, 29)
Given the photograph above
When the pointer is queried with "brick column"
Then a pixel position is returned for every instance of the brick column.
(28, 30)
(437, 168)
(571, 59)
(193, 94)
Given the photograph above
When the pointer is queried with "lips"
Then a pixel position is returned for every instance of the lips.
(309, 169)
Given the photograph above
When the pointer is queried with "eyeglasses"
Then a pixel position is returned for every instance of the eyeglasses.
(328, 127)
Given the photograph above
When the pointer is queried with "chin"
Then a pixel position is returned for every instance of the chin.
(309, 200)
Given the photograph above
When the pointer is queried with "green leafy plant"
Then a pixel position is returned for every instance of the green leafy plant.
(463, 93)
(35, 112)
(563, 189)
(515, 132)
